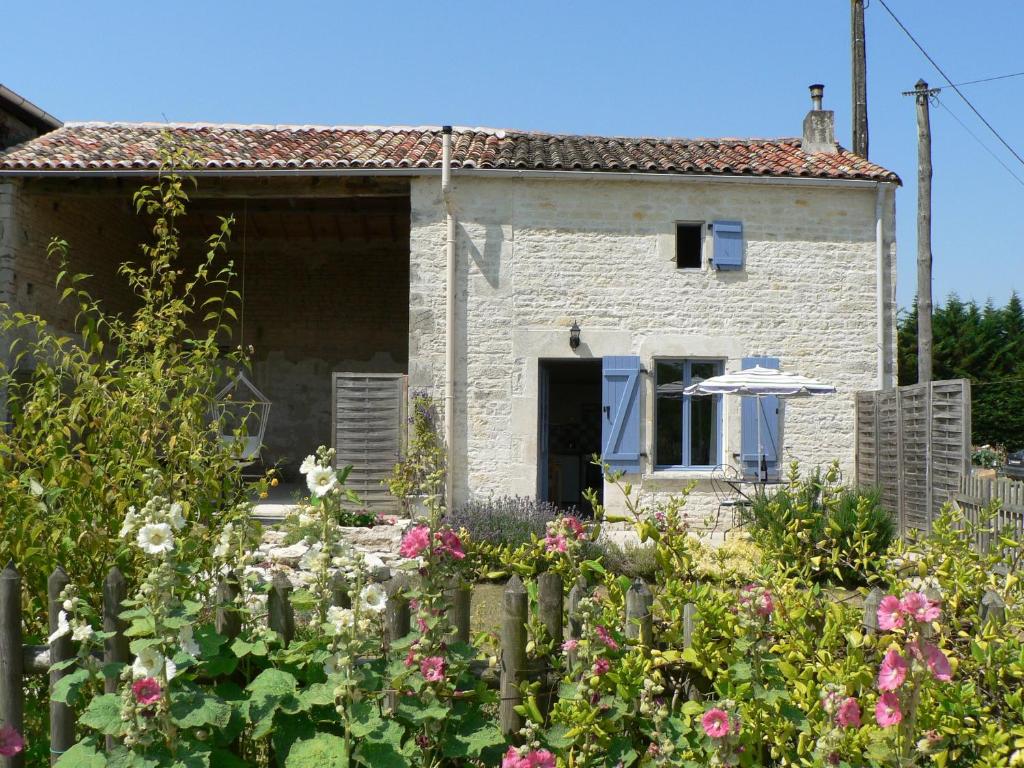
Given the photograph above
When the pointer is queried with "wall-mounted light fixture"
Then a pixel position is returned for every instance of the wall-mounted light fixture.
(574, 336)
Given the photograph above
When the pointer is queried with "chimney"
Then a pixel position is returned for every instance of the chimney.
(819, 125)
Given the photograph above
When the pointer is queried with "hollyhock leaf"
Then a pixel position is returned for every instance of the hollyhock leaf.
(474, 734)
(621, 752)
(120, 757)
(324, 750)
(556, 737)
(222, 758)
(82, 755)
(365, 718)
(317, 695)
(67, 690)
(273, 682)
(193, 708)
(209, 640)
(382, 754)
(104, 715)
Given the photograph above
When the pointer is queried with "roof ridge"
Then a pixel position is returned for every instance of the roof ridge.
(499, 132)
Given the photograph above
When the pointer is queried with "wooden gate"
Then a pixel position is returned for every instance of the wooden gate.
(369, 431)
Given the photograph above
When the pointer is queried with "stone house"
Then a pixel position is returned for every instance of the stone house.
(554, 293)
(21, 120)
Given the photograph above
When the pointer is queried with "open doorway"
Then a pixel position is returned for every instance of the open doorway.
(569, 432)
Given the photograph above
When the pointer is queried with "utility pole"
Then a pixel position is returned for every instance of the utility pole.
(924, 233)
(860, 79)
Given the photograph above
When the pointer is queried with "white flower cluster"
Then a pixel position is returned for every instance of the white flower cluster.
(153, 526)
(347, 625)
(321, 477)
(69, 620)
(151, 663)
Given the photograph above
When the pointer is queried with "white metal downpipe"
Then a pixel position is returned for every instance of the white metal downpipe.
(449, 365)
(880, 280)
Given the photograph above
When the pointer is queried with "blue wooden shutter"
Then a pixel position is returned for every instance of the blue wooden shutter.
(728, 244)
(620, 413)
(771, 417)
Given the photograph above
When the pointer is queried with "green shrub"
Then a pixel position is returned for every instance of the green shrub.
(89, 417)
(822, 529)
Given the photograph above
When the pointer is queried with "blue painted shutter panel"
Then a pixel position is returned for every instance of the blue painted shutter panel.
(728, 244)
(771, 416)
(620, 413)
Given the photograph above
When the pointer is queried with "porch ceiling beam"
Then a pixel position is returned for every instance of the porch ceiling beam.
(364, 206)
(209, 187)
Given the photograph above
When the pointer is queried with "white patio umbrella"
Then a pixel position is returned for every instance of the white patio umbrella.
(760, 382)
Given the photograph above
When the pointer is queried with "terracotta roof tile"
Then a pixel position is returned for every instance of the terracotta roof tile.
(135, 146)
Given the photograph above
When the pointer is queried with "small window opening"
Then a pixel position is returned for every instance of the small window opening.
(689, 242)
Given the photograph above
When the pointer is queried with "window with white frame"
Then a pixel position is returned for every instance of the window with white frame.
(688, 429)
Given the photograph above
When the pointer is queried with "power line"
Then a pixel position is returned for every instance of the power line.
(951, 84)
(989, 79)
(984, 146)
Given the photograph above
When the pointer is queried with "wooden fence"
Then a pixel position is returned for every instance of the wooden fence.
(18, 660)
(914, 444)
(976, 493)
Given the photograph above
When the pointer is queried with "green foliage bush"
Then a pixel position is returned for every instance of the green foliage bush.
(823, 530)
(90, 415)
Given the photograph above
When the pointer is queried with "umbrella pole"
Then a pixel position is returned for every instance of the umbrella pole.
(760, 447)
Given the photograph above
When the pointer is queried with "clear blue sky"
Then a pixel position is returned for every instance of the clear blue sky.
(680, 68)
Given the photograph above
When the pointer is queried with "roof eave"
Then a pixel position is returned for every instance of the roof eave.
(466, 171)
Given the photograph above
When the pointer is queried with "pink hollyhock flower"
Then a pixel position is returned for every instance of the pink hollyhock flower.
(570, 645)
(146, 691)
(450, 544)
(848, 714)
(410, 657)
(937, 663)
(890, 613)
(920, 608)
(601, 666)
(555, 543)
(415, 541)
(765, 605)
(893, 671)
(11, 742)
(575, 527)
(432, 669)
(716, 723)
(606, 638)
(513, 759)
(541, 758)
(887, 710)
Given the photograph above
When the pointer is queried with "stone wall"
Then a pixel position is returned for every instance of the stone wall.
(536, 254)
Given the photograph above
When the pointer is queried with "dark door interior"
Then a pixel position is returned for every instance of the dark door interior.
(570, 432)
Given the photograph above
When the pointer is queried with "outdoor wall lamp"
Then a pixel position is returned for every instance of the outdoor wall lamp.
(574, 336)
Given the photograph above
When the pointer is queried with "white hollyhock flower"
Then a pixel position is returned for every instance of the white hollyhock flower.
(374, 598)
(333, 665)
(155, 538)
(321, 481)
(36, 488)
(341, 618)
(308, 465)
(63, 627)
(150, 662)
(187, 641)
(82, 632)
(128, 526)
(176, 518)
